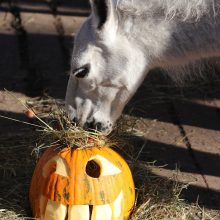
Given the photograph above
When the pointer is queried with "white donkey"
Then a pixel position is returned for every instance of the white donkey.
(122, 40)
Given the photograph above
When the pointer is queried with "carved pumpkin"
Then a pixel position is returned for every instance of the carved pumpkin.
(82, 184)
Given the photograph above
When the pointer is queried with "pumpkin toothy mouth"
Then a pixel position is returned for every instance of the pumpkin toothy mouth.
(98, 169)
(55, 211)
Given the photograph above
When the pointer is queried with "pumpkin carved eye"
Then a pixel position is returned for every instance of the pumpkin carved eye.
(56, 165)
(100, 166)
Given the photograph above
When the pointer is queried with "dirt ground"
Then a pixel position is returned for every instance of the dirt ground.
(177, 127)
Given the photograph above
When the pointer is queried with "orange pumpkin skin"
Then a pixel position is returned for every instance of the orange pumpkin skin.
(61, 176)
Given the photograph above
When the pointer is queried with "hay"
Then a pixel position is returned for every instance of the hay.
(16, 170)
(159, 198)
(56, 128)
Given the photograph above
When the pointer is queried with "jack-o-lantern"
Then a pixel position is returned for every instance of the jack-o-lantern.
(82, 184)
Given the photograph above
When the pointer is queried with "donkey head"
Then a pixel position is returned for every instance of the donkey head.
(106, 69)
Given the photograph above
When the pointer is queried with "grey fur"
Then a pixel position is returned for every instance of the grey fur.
(138, 36)
(192, 26)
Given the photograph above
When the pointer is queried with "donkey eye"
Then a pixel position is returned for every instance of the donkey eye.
(82, 71)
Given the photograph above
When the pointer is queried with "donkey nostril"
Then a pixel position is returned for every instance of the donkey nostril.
(74, 120)
(89, 125)
(98, 126)
(86, 126)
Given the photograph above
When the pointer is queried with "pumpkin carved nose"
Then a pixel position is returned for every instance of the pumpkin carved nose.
(93, 169)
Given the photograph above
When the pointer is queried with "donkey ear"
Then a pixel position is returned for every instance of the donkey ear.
(104, 11)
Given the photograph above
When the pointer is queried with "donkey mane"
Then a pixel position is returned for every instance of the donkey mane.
(170, 9)
(178, 12)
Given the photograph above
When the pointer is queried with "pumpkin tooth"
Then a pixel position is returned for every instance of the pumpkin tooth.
(117, 205)
(79, 212)
(102, 212)
(55, 211)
